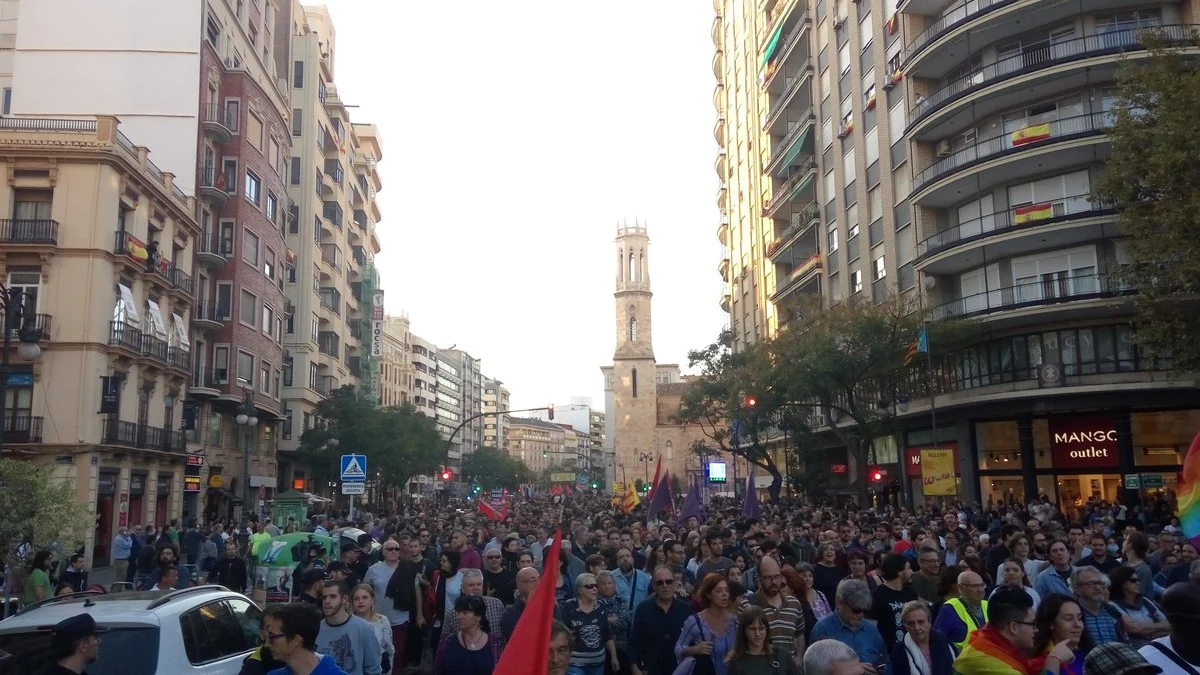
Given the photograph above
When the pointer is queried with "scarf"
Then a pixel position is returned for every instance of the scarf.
(989, 653)
(917, 665)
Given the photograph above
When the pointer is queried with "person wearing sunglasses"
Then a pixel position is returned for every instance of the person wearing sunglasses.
(848, 625)
(999, 648)
(291, 633)
(594, 640)
(657, 622)
(1143, 619)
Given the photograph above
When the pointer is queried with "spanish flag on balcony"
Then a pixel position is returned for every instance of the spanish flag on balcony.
(893, 23)
(1031, 134)
(1032, 212)
(135, 249)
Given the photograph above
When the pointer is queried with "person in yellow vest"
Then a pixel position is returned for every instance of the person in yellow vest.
(961, 616)
(259, 541)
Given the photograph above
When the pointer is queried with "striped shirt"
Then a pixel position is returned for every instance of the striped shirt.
(783, 623)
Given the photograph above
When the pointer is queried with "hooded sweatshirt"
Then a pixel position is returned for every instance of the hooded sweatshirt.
(989, 653)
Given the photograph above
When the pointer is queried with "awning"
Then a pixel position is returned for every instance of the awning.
(794, 151)
(156, 321)
(772, 45)
(181, 333)
(131, 313)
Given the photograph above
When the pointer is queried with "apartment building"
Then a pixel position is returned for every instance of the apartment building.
(334, 299)
(425, 368)
(1006, 121)
(496, 399)
(539, 444)
(460, 398)
(100, 354)
(396, 368)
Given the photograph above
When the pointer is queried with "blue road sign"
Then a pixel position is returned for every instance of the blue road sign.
(354, 468)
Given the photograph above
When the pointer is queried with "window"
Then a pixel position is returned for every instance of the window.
(896, 121)
(875, 205)
(290, 270)
(297, 121)
(856, 281)
(220, 365)
(7, 108)
(826, 83)
(848, 171)
(248, 309)
(852, 221)
(211, 633)
(24, 283)
(253, 187)
(298, 74)
(827, 133)
(229, 169)
(249, 246)
(275, 383)
(272, 207)
(871, 146)
(248, 617)
(275, 154)
(233, 115)
(866, 31)
(633, 380)
(315, 328)
(287, 371)
(844, 59)
(312, 375)
(830, 187)
(224, 300)
(264, 377)
(268, 319)
(833, 238)
(212, 32)
(269, 264)
(1055, 274)
(294, 172)
(901, 183)
(245, 369)
(878, 269)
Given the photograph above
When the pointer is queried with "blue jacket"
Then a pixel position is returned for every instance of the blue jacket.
(940, 650)
(865, 641)
(327, 666)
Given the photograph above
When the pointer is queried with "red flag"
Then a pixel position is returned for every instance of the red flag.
(529, 649)
(554, 490)
(654, 483)
(490, 513)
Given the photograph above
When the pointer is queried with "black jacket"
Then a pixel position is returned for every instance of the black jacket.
(401, 587)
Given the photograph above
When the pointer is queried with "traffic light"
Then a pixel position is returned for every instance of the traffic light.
(550, 411)
(447, 474)
(877, 476)
(595, 485)
(751, 401)
(477, 489)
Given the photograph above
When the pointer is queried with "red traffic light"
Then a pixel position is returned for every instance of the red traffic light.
(751, 401)
(446, 474)
(550, 411)
(878, 476)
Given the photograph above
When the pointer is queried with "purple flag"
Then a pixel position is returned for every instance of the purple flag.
(691, 505)
(751, 508)
(661, 496)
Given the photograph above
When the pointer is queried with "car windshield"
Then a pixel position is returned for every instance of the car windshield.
(123, 651)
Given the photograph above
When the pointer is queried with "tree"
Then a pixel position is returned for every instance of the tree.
(399, 442)
(494, 468)
(39, 509)
(1150, 178)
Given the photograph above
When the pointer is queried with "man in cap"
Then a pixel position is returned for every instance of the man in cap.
(76, 644)
(1118, 658)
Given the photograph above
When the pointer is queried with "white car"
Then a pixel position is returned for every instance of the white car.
(203, 630)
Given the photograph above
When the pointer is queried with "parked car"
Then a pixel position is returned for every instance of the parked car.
(206, 630)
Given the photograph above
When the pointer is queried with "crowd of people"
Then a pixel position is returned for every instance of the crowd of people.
(1001, 589)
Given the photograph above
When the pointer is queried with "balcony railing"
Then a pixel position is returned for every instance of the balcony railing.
(179, 357)
(180, 279)
(1026, 215)
(789, 188)
(804, 219)
(132, 435)
(155, 347)
(955, 16)
(20, 427)
(209, 310)
(1050, 289)
(213, 178)
(41, 325)
(797, 132)
(1029, 136)
(218, 113)
(1038, 56)
(212, 244)
(121, 334)
(26, 231)
(782, 52)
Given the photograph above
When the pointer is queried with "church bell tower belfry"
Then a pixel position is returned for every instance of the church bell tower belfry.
(630, 382)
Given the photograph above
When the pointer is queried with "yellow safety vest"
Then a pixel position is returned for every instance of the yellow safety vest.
(965, 617)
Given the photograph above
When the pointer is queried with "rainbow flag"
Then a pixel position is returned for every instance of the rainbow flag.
(1030, 134)
(1188, 493)
(1032, 212)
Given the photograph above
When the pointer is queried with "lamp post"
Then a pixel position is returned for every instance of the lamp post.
(333, 442)
(645, 458)
(898, 405)
(247, 418)
(13, 303)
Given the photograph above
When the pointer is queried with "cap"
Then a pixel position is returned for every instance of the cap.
(310, 577)
(1118, 658)
(350, 546)
(76, 628)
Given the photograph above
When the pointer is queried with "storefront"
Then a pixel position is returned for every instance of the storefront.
(1074, 457)
(106, 494)
(137, 498)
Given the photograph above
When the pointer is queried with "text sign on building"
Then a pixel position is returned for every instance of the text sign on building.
(1083, 441)
(912, 457)
(377, 323)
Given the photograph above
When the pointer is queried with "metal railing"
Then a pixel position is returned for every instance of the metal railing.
(1026, 215)
(951, 19)
(133, 435)
(212, 244)
(785, 45)
(788, 92)
(211, 177)
(808, 214)
(219, 113)
(121, 334)
(155, 347)
(179, 358)
(806, 172)
(1048, 290)
(180, 279)
(47, 124)
(998, 145)
(20, 427)
(209, 310)
(125, 144)
(41, 324)
(807, 120)
(1038, 56)
(28, 231)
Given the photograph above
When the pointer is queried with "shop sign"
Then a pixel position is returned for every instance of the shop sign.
(216, 481)
(106, 484)
(1082, 442)
(938, 472)
(912, 457)
(191, 483)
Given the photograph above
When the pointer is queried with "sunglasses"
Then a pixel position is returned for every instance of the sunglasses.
(664, 582)
(391, 548)
(589, 586)
(857, 610)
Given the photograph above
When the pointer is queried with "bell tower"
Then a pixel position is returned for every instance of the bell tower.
(630, 382)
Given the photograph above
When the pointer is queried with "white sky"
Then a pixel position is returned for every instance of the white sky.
(516, 135)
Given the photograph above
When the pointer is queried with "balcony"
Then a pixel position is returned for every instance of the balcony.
(142, 437)
(805, 220)
(804, 179)
(125, 336)
(1035, 65)
(1056, 223)
(20, 427)
(723, 230)
(723, 197)
(209, 316)
(179, 358)
(802, 277)
(789, 149)
(212, 186)
(776, 122)
(219, 122)
(720, 164)
(212, 251)
(723, 268)
(1052, 290)
(207, 384)
(180, 280)
(26, 232)
(1056, 145)
(776, 56)
(719, 131)
(326, 385)
(156, 348)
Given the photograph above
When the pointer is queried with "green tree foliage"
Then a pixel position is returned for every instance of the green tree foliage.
(39, 509)
(494, 468)
(1151, 179)
(399, 442)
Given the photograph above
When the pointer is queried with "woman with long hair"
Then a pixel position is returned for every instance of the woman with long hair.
(827, 573)
(710, 633)
(445, 587)
(1143, 619)
(362, 602)
(1020, 553)
(37, 583)
(752, 652)
(564, 589)
(1012, 575)
(924, 650)
(814, 603)
(472, 649)
(858, 565)
(1060, 619)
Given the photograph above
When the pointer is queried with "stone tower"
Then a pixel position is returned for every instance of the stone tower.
(630, 381)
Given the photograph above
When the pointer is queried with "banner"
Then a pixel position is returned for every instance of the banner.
(1030, 134)
(938, 473)
(1032, 212)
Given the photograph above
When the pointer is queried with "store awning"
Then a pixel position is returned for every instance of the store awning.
(772, 45)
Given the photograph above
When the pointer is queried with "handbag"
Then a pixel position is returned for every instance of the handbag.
(697, 664)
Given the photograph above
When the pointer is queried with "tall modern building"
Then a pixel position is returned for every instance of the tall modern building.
(425, 370)
(496, 399)
(330, 279)
(460, 398)
(948, 150)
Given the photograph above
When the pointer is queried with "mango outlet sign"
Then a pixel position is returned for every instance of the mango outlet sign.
(1084, 441)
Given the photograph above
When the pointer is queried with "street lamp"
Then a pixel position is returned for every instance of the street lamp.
(247, 418)
(13, 304)
(645, 458)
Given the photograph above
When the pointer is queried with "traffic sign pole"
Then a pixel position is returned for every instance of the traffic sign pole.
(354, 470)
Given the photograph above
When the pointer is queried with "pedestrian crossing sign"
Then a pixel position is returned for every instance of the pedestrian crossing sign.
(354, 468)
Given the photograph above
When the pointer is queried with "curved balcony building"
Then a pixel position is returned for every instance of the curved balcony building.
(1008, 104)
